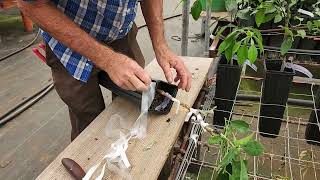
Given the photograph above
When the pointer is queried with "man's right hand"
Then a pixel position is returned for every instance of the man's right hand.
(127, 74)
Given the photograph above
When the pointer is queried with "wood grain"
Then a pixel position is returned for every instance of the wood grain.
(147, 156)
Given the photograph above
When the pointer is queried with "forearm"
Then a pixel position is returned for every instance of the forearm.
(59, 26)
(152, 12)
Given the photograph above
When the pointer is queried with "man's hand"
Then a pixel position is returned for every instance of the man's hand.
(167, 60)
(127, 74)
(152, 12)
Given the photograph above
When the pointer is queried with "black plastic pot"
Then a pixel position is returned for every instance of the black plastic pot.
(169, 88)
(312, 134)
(308, 44)
(228, 77)
(135, 96)
(275, 93)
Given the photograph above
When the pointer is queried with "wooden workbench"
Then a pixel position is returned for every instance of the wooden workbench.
(146, 156)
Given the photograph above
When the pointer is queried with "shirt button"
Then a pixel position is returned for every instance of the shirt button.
(121, 31)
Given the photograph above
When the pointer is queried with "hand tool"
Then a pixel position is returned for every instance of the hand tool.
(73, 168)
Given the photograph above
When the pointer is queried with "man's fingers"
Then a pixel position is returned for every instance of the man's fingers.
(143, 76)
(167, 73)
(189, 82)
(177, 78)
(130, 86)
(183, 76)
(138, 84)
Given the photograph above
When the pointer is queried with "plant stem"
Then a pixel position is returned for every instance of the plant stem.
(287, 19)
(224, 137)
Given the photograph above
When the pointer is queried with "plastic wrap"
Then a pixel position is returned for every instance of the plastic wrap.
(116, 159)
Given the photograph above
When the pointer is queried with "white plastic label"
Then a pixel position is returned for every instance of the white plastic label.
(299, 68)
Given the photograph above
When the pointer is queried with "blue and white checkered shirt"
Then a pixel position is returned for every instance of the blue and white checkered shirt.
(105, 20)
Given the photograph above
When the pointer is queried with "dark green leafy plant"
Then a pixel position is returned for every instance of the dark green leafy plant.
(288, 14)
(245, 42)
(233, 164)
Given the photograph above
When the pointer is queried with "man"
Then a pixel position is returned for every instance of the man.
(88, 38)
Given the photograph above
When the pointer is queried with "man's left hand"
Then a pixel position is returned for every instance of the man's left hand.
(167, 60)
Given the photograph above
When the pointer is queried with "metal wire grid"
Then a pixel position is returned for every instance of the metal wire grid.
(286, 157)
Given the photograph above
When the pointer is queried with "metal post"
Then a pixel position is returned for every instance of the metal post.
(185, 27)
(206, 26)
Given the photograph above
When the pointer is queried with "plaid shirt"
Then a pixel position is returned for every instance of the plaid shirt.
(105, 20)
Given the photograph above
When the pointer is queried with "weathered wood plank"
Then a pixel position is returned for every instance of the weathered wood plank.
(146, 156)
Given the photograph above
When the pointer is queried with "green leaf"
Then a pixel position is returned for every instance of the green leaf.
(214, 140)
(244, 140)
(252, 53)
(223, 46)
(269, 17)
(227, 42)
(257, 33)
(242, 54)
(236, 170)
(309, 25)
(228, 158)
(253, 148)
(196, 9)
(228, 52)
(301, 33)
(286, 45)
(261, 48)
(244, 171)
(277, 18)
(270, 9)
(260, 17)
(240, 125)
(236, 47)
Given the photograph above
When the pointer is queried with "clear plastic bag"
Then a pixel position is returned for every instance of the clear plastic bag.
(117, 125)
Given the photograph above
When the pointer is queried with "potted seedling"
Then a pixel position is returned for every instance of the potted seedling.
(233, 151)
(278, 76)
(246, 43)
(241, 45)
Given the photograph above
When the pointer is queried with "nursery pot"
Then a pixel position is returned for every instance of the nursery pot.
(228, 77)
(136, 97)
(312, 134)
(276, 87)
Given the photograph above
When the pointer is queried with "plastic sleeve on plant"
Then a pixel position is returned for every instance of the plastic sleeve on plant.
(117, 125)
(117, 152)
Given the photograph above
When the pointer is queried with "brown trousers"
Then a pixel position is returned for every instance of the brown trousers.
(84, 100)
